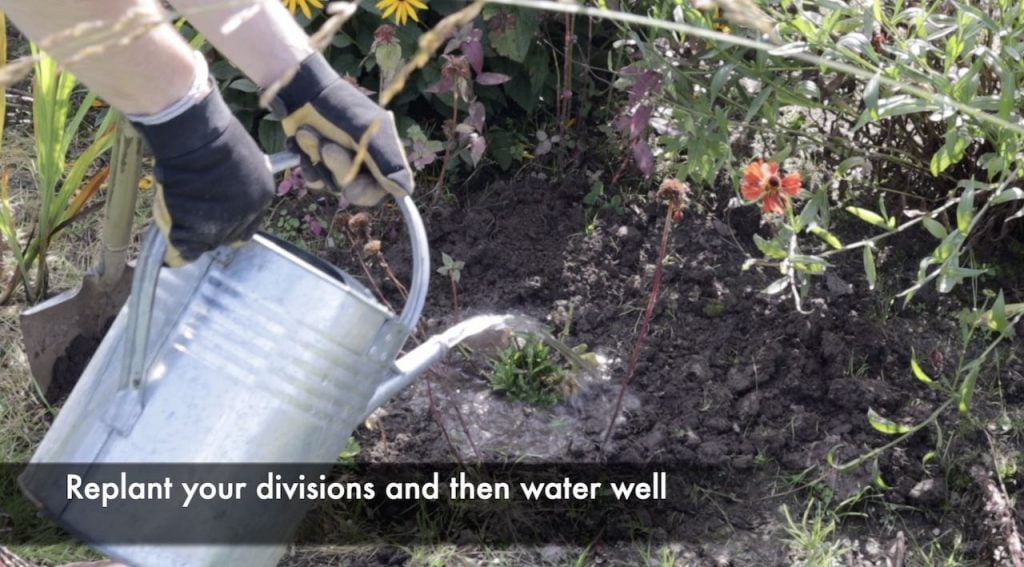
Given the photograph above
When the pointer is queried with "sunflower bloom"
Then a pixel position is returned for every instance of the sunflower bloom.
(762, 181)
(303, 5)
(402, 9)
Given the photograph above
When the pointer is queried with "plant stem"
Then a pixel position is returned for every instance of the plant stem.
(659, 268)
(455, 297)
(440, 423)
(447, 149)
(565, 97)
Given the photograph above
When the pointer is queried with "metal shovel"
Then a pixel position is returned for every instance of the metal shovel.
(61, 332)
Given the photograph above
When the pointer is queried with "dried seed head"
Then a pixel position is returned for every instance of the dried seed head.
(372, 248)
(383, 35)
(674, 193)
(359, 222)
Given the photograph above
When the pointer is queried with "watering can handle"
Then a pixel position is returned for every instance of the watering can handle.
(144, 283)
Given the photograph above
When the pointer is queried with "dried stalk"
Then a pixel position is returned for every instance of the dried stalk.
(674, 194)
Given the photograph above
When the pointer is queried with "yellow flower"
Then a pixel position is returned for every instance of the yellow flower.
(302, 5)
(402, 9)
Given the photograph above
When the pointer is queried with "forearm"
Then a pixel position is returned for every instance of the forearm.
(143, 76)
(265, 46)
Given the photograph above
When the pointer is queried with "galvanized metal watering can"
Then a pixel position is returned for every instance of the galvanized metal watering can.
(254, 354)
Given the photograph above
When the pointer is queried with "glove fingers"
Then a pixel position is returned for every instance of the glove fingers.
(312, 176)
(308, 140)
(390, 158)
(162, 218)
(337, 159)
(362, 191)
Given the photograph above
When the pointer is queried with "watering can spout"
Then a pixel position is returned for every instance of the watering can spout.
(430, 351)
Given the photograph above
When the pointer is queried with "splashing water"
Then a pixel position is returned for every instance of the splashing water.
(499, 426)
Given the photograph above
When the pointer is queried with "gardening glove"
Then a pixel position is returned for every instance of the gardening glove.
(325, 117)
(213, 180)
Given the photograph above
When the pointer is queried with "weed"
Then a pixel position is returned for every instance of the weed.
(812, 537)
(349, 451)
(527, 372)
(453, 269)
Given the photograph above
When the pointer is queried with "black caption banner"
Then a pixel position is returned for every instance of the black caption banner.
(496, 504)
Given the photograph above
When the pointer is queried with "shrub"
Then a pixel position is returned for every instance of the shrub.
(904, 115)
(493, 78)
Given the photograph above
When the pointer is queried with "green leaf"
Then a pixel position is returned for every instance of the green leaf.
(869, 267)
(244, 85)
(967, 388)
(809, 264)
(876, 474)
(827, 236)
(950, 153)
(934, 227)
(776, 286)
(1009, 310)
(769, 248)
(514, 38)
(871, 96)
(965, 210)
(272, 136)
(999, 321)
(915, 367)
(389, 56)
(949, 246)
(756, 105)
(850, 164)
(886, 426)
(1007, 195)
(868, 216)
(1007, 91)
(718, 80)
(902, 104)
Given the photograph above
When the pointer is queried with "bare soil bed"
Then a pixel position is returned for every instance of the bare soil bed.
(738, 392)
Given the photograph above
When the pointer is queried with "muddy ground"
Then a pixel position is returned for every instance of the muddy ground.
(742, 395)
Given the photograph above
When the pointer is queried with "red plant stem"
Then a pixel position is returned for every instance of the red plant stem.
(622, 167)
(462, 421)
(391, 275)
(455, 298)
(659, 268)
(440, 423)
(373, 282)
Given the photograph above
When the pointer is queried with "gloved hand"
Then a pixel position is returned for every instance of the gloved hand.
(325, 118)
(214, 182)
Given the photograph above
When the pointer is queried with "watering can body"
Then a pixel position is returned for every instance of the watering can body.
(252, 354)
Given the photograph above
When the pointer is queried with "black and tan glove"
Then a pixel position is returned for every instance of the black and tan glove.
(325, 119)
(214, 182)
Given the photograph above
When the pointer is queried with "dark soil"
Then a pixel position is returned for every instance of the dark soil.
(69, 367)
(738, 390)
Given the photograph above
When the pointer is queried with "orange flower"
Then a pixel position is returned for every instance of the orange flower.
(762, 181)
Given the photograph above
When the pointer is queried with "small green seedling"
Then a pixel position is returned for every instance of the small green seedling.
(348, 453)
(526, 371)
(453, 269)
